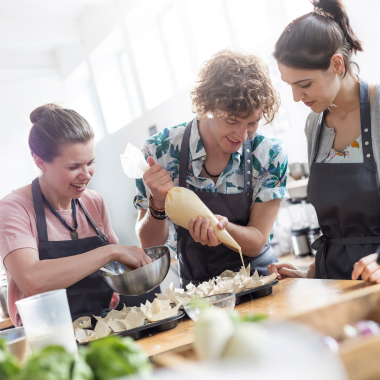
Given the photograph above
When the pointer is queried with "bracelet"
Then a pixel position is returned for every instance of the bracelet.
(158, 211)
(156, 216)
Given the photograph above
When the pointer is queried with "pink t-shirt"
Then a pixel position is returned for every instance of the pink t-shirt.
(18, 229)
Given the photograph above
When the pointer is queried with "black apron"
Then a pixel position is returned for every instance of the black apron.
(91, 295)
(347, 201)
(197, 262)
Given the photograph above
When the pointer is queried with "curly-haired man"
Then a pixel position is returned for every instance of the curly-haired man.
(237, 172)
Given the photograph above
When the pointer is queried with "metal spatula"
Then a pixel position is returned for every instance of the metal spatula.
(108, 271)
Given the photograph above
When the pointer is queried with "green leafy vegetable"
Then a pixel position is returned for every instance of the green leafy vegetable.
(253, 317)
(50, 363)
(9, 364)
(112, 357)
(81, 370)
(103, 359)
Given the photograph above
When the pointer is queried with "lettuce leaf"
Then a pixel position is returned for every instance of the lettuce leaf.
(9, 364)
(112, 357)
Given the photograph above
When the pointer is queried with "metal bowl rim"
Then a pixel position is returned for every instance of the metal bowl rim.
(136, 271)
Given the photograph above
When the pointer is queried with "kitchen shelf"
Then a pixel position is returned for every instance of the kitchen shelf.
(297, 189)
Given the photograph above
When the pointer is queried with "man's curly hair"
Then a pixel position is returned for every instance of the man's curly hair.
(234, 84)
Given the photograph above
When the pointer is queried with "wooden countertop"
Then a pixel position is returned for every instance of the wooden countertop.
(289, 296)
(5, 323)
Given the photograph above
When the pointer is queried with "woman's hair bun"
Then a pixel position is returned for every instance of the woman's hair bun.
(41, 111)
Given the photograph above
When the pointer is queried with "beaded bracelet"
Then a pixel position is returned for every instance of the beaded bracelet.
(157, 211)
(156, 216)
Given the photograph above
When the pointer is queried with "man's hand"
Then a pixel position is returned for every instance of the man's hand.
(201, 231)
(158, 182)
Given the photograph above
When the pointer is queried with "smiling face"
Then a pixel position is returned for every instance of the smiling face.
(230, 132)
(316, 88)
(69, 174)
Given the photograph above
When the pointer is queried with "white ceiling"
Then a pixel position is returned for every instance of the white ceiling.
(39, 25)
(32, 30)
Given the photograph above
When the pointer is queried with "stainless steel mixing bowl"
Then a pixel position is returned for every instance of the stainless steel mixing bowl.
(141, 280)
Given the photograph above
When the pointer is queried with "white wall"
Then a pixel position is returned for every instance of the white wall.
(18, 99)
(110, 180)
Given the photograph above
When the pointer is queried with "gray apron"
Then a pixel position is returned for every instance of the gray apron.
(347, 201)
(90, 295)
(197, 262)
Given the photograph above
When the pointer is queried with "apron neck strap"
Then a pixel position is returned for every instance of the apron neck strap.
(365, 124)
(184, 159)
(92, 222)
(40, 211)
(319, 132)
(248, 164)
(365, 121)
(41, 218)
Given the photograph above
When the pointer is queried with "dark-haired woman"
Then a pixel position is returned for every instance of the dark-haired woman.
(314, 55)
(55, 233)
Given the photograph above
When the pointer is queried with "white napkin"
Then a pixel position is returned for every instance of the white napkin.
(133, 162)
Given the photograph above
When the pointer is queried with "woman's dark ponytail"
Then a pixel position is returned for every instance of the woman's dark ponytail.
(310, 41)
(338, 10)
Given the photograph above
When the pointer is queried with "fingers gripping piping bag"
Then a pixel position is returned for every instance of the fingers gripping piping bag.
(181, 204)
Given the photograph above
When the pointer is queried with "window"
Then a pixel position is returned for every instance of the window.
(147, 46)
(81, 97)
(129, 84)
(114, 82)
(249, 22)
(210, 27)
(175, 48)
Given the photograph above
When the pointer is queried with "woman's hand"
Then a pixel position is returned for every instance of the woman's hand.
(201, 231)
(368, 268)
(286, 270)
(114, 300)
(133, 257)
(158, 182)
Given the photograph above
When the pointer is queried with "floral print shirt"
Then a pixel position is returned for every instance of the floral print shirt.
(270, 163)
(352, 154)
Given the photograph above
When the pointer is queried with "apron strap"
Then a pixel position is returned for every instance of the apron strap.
(322, 243)
(40, 211)
(248, 164)
(104, 237)
(319, 132)
(184, 158)
(365, 124)
(41, 218)
(365, 121)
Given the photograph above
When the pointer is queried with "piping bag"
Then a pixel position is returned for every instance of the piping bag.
(181, 204)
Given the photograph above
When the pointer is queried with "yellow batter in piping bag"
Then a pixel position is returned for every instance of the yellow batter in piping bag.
(182, 205)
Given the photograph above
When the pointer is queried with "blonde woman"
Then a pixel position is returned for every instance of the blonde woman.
(55, 233)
